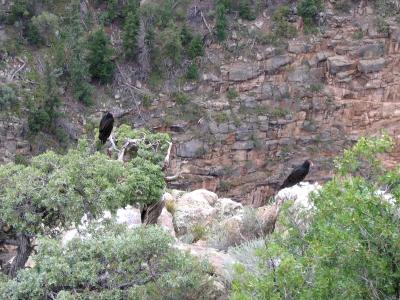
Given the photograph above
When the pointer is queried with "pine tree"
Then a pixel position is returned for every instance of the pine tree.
(100, 54)
(130, 33)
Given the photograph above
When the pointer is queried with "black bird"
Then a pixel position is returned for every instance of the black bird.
(297, 175)
(106, 126)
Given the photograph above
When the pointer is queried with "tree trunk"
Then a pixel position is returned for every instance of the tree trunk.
(23, 252)
(150, 214)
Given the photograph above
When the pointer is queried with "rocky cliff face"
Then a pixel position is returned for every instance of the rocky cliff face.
(261, 108)
(310, 100)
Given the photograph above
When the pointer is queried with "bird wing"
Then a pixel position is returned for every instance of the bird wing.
(297, 175)
(105, 123)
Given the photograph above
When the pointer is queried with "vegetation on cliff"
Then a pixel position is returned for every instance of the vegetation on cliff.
(349, 248)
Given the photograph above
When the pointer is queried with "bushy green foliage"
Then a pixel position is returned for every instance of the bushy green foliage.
(246, 10)
(20, 9)
(32, 34)
(47, 25)
(282, 26)
(8, 97)
(69, 53)
(221, 24)
(309, 9)
(195, 47)
(170, 44)
(362, 160)
(382, 26)
(349, 248)
(60, 189)
(43, 115)
(113, 263)
(151, 146)
(101, 65)
(180, 98)
(130, 33)
(192, 72)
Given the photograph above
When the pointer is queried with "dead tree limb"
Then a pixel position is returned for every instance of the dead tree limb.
(205, 22)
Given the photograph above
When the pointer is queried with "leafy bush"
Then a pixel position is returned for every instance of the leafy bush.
(309, 9)
(47, 25)
(20, 9)
(8, 97)
(113, 263)
(101, 65)
(221, 24)
(192, 72)
(180, 98)
(246, 11)
(348, 250)
(195, 47)
(130, 33)
(70, 54)
(170, 44)
(382, 26)
(232, 93)
(55, 191)
(43, 116)
(282, 26)
(32, 34)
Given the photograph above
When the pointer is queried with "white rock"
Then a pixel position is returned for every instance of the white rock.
(228, 207)
(194, 208)
(165, 220)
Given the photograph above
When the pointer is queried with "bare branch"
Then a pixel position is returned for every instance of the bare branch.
(167, 157)
(205, 22)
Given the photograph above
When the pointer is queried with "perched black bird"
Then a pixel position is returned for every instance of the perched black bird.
(106, 126)
(297, 175)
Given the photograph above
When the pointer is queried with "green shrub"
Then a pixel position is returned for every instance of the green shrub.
(130, 33)
(47, 24)
(221, 25)
(56, 191)
(114, 263)
(8, 97)
(101, 65)
(358, 34)
(382, 26)
(309, 9)
(43, 116)
(180, 98)
(20, 9)
(32, 34)
(282, 26)
(192, 72)
(198, 231)
(195, 47)
(246, 11)
(348, 248)
(170, 43)
(186, 36)
(232, 93)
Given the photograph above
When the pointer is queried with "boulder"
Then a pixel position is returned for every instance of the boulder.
(371, 51)
(298, 47)
(299, 74)
(245, 145)
(337, 64)
(274, 63)
(165, 220)
(194, 208)
(191, 149)
(227, 207)
(302, 207)
(222, 262)
(371, 65)
(241, 71)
